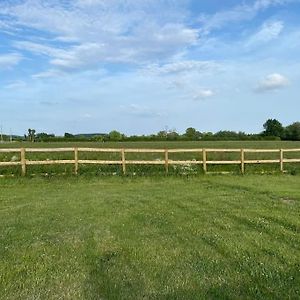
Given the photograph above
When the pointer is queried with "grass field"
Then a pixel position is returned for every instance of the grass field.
(162, 144)
(150, 169)
(212, 237)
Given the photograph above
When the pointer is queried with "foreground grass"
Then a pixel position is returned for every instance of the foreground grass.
(214, 237)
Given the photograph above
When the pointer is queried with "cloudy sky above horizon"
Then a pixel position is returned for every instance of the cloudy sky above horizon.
(140, 66)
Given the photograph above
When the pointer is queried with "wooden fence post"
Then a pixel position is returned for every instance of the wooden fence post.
(167, 161)
(123, 161)
(281, 160)
(204, 160)
(23, 161)
(76, 160)
(243, 161)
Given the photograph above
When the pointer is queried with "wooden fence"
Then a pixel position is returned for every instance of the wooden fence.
(203, 161)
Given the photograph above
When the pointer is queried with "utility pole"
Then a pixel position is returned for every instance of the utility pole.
(10, 138)
(1, 140)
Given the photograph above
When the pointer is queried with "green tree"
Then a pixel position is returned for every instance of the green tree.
(273, 128)
(68, 135)
(115, 136)
(192, 134)
(292, 132)
(31, 134)
(41, 137)
(162, 135)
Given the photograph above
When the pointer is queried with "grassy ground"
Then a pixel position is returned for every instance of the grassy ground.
(150, 169)
(213, 237)
(163, 144)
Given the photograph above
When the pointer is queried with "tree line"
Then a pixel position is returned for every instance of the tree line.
(273, 130)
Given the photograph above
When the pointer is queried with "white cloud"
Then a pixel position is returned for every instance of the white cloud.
(202, 94)
(272, 82)
(268, 32)
(10, 60)
(95, 32)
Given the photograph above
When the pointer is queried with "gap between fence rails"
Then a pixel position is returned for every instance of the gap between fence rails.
(166, 161)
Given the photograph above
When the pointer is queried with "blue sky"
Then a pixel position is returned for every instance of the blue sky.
(140, 66)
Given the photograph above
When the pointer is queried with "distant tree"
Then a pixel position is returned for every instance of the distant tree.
(192, 134)
(273, 128)
(226, 135)
(31, 134)
(68, 135)
(207, 136)
(115, 136)
(97, 138)
(292, 132)
(162, 135)
(44, 137)
(172, 135)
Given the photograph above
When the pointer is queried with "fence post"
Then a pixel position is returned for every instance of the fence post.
(76, 160)
(204, 160)
(281, 160)
(23, 161)
(167, 161)
(243, 161)
(123, 161)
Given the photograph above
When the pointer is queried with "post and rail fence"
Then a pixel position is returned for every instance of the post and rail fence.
(203, 161)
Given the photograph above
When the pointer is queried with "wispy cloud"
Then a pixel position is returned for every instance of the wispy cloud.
(269, 31)
(241, 12)
(10, 60)
(182, 66)
(96, 32)
(16, 85)
(51, 73)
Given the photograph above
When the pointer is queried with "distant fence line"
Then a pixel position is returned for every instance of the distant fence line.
(166, 161)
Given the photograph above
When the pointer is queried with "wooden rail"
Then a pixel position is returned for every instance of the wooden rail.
(166, 161)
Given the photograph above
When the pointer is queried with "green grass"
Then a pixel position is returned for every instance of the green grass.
(162, 144)
(150, 169)
(213, 237)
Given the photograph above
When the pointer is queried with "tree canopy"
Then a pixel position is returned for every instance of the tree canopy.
(273, 128)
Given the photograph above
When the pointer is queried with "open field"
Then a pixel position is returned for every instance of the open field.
(159, 168)
(213, 237)
(162, 144)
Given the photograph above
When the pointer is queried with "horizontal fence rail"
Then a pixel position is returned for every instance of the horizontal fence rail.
(203, 161)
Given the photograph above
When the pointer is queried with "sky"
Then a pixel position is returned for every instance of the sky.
(141, 66)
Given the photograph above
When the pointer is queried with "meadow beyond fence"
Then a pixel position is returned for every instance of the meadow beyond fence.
(76, 156)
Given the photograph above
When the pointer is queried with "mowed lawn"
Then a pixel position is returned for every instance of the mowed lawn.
(206, 237)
